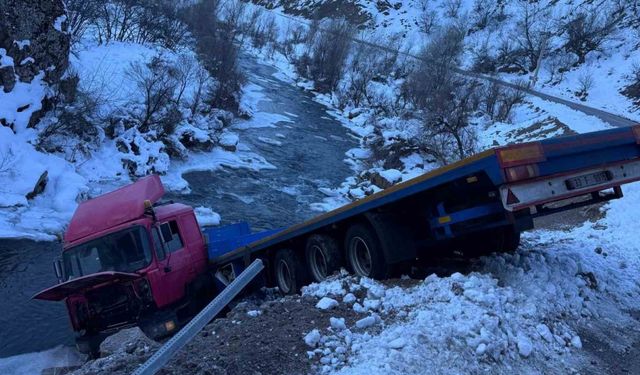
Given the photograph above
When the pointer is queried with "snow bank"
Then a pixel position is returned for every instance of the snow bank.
(34, 363)
(515, 312)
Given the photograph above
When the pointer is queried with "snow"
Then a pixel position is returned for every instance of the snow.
(337, 323)
(22, 43)
(312, 338)
(206, 216)
(513, 311)
(34, 363)
(326, 303)
(58, 23)
(254, 313)
(270, 141)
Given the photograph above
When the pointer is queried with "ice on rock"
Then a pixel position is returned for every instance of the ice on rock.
(481, 349)
(525, 347)
(326, 303)
(366, 322)
(398, 343)
(312, 338)
(338, 323)
(544, 332)
(576, 342)
(349, 298)
(254, 313)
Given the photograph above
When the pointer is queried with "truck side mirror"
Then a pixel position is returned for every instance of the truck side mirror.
(165, 232)
(57, 267)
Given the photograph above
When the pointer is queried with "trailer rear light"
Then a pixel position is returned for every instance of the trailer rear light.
(521, 172)
(526, 153)
(636, 132)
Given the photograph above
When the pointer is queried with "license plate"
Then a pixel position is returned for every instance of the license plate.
(588, 180)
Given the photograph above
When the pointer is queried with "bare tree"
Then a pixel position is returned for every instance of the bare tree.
(532, 33)
(157, 84)
(80, 15)
(452, 8)
(329, 50)
(428, 18)
(586, 31)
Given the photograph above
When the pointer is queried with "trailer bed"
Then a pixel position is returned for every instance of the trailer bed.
(562, 155)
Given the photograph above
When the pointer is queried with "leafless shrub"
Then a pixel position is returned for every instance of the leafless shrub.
(157, 84)
(484, 13)
(585, 84)
(428, 18)
(452, 8)
(80, 15)
(217, 50)
(635, 72)
(444, 99)
(7, 160)
(329, 50)
(509, 98)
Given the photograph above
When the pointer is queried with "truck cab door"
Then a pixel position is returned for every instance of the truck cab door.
(169, 279)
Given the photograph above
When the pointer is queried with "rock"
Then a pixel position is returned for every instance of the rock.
(525, 347)
(398, 343)
(7, 78)
(481, 349)
(126, 341)
(312, 338)
(337, 324)
(366, 322)
(349, 298)
(544, 332)
(40, 186)
(35, 21)
(229, 141)
(576, 342)
(326, 303)
(379, 181)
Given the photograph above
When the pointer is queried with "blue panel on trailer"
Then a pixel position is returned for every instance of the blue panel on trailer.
(225, 239)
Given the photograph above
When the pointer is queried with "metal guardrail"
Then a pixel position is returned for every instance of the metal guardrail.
(188, 332)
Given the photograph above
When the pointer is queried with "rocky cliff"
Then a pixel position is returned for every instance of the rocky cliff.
(33, 41)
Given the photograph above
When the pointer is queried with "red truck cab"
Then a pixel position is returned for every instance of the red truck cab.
(128, 261)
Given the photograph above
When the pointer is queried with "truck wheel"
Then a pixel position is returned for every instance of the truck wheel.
(323, 256)
(364, 252)
(89, 344)
(289, 272)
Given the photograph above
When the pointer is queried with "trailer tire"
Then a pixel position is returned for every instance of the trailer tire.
(289, 272)
(364, 252)
(323, 256)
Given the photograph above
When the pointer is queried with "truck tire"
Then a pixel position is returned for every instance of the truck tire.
(498, 240)
(364, 252)
(323, 257)
(289, 272)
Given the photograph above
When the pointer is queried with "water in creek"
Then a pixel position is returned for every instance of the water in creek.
(310, 155)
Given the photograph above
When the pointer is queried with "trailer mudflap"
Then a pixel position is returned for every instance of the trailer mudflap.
(549, 189)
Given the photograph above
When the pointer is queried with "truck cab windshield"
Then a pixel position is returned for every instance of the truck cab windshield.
(123, 251)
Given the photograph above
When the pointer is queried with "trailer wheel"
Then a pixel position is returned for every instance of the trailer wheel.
(289, 272)
(323, 257)
(364, 252)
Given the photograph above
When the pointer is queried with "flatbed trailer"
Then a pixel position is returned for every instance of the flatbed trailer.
(129, 259)
(492, 195)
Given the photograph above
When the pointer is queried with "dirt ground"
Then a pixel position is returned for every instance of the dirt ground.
(269, 343)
